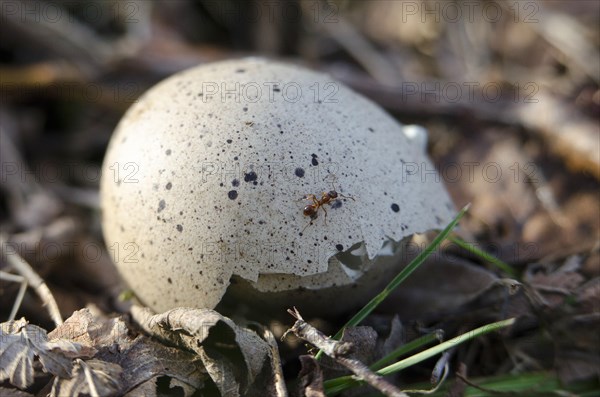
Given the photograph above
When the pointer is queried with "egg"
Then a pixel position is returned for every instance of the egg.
(207, 176)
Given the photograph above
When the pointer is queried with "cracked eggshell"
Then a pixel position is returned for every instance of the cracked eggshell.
(203, 178)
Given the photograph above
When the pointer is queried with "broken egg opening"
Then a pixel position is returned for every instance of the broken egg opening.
(213, 164)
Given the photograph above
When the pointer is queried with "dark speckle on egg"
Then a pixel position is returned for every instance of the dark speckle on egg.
(299, 172)
(250, 177)
(161, 205)
(339, 247)
(232, 194)
(395, 207)
(314, 161)
(235, 183)
(168, 186)
(179, 228)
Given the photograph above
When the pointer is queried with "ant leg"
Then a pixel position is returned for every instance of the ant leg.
(324, 210)
(307, 225)
(340, 194)
(308, 197)
(333, 178)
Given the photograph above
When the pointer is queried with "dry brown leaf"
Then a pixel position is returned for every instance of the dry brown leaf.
(164, 386)
(142, 359)
(394, 339)
(588, 295)
(310, 377)
(145, 359)
(176, 384)
(555, 285)
(21, 341)
(93, 377)
(441, 284)
(363, 340)
(92, 332)
(233, 356)
(13, 392)
(146, 389)
(577, 346)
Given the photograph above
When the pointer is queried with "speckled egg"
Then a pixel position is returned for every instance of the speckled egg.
(207, 176)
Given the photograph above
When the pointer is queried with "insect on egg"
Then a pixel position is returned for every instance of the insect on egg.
(312, 210)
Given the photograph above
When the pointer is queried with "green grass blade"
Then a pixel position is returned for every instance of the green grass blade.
(402, 350)
(531, 384)
(335, 386)
(424, 355)
(503, 266)
(407, 348)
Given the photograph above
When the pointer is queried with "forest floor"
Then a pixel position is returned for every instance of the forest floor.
(511, 101)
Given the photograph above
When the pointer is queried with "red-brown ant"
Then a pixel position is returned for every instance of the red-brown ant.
(312, 210)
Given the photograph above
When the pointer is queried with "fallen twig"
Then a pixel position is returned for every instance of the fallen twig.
(34, 280)
(19, 299)
(279, 379)
(339, 351)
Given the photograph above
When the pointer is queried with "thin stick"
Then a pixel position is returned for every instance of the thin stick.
(279, 379)
(19, 299)
(339, 351)
(34, 280)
